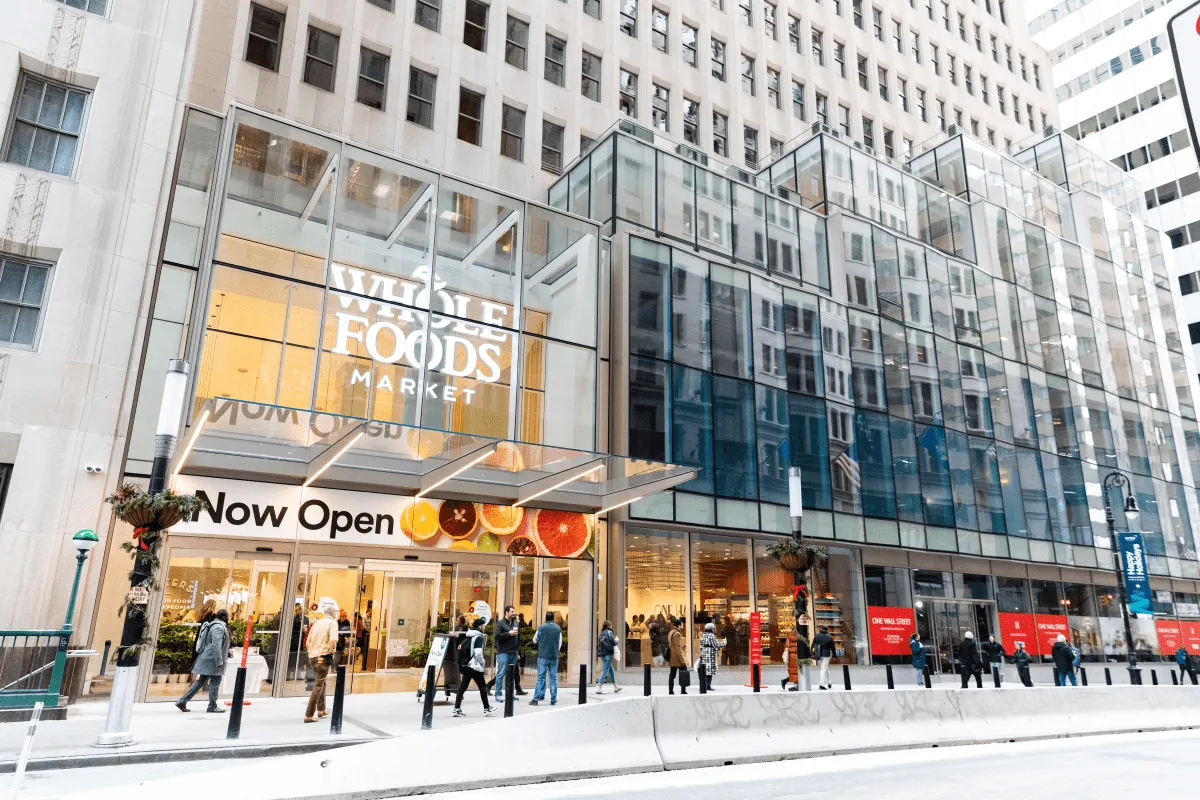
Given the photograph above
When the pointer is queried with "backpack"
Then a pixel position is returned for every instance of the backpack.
(1075, 657)
(463, 655)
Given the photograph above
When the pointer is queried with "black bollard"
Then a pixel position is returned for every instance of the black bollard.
(1135, 677)
(756, 677)
(339, 695)
(928, 679)
(891, 682)
(703, 673)
(1192, 675)
(427, 708)
(235, 711)
(1174, 678)
(104, 658)
(846, 675)
(996, 677)
(510, 682)
(1153, 677)
(583, 684)
(1107, 676)
(647, 681)
(1083, 675)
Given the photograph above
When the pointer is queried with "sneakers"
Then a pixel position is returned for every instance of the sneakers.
(600, 690)
(215, 710)
(182, 706)
(487, 712)
(533, 702)
(553, 702)
(458, 712)
(616, 688)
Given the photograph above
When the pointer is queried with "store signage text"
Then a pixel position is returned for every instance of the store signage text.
(313, 515)
(398, 334)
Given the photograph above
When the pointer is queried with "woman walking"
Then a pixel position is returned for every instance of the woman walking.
(709, 645)
(212, 651)
(606, 648)
(678, 660)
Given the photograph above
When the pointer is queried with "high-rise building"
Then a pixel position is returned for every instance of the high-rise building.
(1114, 79)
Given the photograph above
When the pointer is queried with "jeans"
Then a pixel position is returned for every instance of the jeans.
(214, 684)
(316, 700)
(546, 666)
(998, 667)
(503, 662)
(1063, 676)
(920, 671)
(606, 668)
(467, 676)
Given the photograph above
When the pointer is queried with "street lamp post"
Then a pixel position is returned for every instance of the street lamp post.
(799, 577)
(1117, 480)
(84, 541)
(117, 731)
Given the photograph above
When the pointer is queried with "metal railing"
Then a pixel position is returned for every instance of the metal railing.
(31, 667)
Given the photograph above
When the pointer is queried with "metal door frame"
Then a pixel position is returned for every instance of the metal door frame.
(960, 602)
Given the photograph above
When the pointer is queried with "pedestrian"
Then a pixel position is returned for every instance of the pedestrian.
(995, 656)
(791, 657)
(918, 656)
(322, 643)
(1064, 660)
(469, 657)
(299, 629)
(823, 650)
(606, 648)
(1184, 661)
(969, 661)
(677, 660)
(212, 651)
(709, 645)
(548, 638)
(507, 642)
(345, 632)
(1021, 659)
(361, 640)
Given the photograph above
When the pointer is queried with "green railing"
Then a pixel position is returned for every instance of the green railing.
(31, 667)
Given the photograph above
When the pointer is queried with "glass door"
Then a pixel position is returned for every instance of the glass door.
(262, 586)
(395, 617)
(943, 624)
(334, 587)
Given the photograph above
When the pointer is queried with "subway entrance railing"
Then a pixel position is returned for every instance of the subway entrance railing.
(32, 663)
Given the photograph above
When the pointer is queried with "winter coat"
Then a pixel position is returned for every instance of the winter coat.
(1064, 659)
(675, 646)
(918, 654)
(709, 645)
(322, 637)
(1181, 657)
(822, 646)
(995, 652)
(606, 644)
(212, 648)
(506, 638)
(1021, 657)
(548, 637)
(968, 655)
(475, 637)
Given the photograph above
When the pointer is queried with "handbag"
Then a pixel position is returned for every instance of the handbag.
(685, 678)
(616, 652)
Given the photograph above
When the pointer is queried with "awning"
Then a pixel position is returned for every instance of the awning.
(254, 441)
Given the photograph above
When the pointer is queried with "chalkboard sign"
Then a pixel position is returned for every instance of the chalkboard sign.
(437, 651)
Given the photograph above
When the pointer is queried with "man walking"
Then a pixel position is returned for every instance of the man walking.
(322, 642)
(548, 638)
(1021, 659)
(918, 656)
(1184, 661)
(470, 666)
(995, 655)
(969, 661)
(507, 641)
(1064, 661)
(822, 648)
(212, 650)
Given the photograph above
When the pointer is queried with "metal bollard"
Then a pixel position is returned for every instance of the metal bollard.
(1153, 678)
(583, 684)
(104, 658)
(1192, 674)
(647, 681)
(996, 676)
(510, 683)
(703, 674)
(1107, 676)
(235, 711)
(1135, 676)
(339, 695)
(1083, 675)
(846, 675)
(755, 677)
(890, 680)
(427, 708)
(1174, 678)
(928, 679)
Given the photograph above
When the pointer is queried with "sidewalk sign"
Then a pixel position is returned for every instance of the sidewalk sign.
(437, 652)
(755, 638)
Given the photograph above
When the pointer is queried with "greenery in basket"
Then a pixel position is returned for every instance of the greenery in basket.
(153, 512)
(790, 548)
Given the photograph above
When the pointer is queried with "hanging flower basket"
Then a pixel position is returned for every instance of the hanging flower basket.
(795, 556)
(152, 512)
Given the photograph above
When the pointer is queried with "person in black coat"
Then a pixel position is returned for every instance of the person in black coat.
(968, 658)
(1021, 659)
(995, 655)
(823, 649)
(1064, 661)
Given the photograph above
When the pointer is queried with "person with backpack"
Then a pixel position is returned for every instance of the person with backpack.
(469, 657)
(823, 650)
(1184, 662)
(212, 650)
(606, 648)
(1021, 659)
(548, 638)
(1065, 659)
(918, 656)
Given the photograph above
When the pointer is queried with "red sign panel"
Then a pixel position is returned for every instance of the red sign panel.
(1018, 628)
(1048, 630)
(1189, 632)
(1169, 636)
(755, 638)
(889, 630)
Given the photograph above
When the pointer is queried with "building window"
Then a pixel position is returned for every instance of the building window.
(628, 101)
(320, 58)
(691, 121)
(22, 290)
(688, 40)
(922, 111)
(266, 32)
(1188, 284)
(773, 88)
(720, 134)
(877, 20)
(822, 108)
(744, 11)
(941, 115)
(897, 36)
(1000, 99)
(798, 110)
(421, 87)
(718, 59)
(978, 39)
(589, 79)
(97, 7)
(750, 142)
(883, 83)
(776, 147)
(868, 132)
(516, 43)
(660, 107)
(794, 33)
(864, 78)
(592, 8)
(952, 70)
(916, 46)
(969, 79)
(428, 14)
(552, 147)
(386, 5)
(902, 93)
(844, 120)
(585, 143)
(470, 116)
(629, 17)
(512, 132)
(45, 128)
(556, 60)
(475, 26)
(983, 90)
(748, 74)
(889, 143)
(1194, 332)
(818, 47)
(769, 12)
(372, 78)
(1037, 76)
(659, 35)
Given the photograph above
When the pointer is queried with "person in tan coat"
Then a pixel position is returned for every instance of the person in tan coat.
(321, 643)
(678, 659)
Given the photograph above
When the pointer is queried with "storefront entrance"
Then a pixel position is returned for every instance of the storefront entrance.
(944, 623)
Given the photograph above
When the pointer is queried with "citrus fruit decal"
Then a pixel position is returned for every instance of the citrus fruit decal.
(420, 522)
(502, 520)
(488, 543)
(457, 518)
(562, 534)
(462, 545)
(506, 457)
(522, 546)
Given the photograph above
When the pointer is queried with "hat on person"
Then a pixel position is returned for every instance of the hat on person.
(970, 635)
(709, 627)
(1060, 638)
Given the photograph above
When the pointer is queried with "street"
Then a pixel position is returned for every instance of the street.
(1105, 766)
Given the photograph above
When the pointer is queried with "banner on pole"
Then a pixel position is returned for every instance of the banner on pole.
(1137, 577)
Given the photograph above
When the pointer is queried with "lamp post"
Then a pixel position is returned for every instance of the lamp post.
(1117, 480)
(84, 541)
(117, 731)
(799, 577)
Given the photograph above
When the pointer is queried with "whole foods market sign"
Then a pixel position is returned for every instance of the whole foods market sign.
(273, 511)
